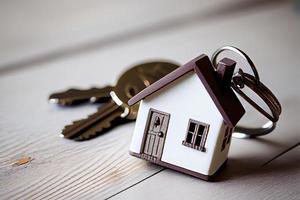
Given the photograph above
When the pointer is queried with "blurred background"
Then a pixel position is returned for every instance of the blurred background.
(36, 31)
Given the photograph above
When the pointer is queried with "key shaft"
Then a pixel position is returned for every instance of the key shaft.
(94, 123)
(76, 96)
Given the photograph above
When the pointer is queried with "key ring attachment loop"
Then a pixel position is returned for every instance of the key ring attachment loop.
(242, 79)
(240, 53)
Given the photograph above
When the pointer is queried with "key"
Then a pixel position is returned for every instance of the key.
(77, 96)
(147, 71)
(116, 111)
(105, 117)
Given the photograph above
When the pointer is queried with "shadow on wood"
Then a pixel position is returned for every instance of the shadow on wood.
(239, 169)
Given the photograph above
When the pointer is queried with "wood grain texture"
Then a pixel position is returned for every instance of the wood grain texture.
(97, 169)
(278, 180)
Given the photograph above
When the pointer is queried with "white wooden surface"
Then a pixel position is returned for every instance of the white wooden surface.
(101, 168)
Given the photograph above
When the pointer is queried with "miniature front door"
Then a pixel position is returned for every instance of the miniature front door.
(155, 134)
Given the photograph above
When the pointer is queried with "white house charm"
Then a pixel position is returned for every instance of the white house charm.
(186, 119)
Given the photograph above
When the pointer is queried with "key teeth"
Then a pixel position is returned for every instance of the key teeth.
(93, 134)
(71, 125)
(75, 122)
(68, 128)
(102, 129)
(95, 124)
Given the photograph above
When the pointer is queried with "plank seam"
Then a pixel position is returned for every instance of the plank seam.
(280, 154)
(135, 183)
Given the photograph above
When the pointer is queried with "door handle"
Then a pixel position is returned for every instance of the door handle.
(160, 134)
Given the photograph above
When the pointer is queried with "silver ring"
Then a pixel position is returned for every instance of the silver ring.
(237, 51)
(243, 131)
(247, 132)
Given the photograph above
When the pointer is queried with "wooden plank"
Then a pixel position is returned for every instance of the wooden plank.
(277, 180)
(102, 167)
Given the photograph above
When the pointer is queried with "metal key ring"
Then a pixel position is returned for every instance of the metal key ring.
(240, 53)
(261, 90)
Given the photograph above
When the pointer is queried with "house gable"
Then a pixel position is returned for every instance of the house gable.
(224, 98)
(226, 101)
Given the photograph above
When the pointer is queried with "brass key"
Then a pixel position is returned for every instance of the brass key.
(116, 111)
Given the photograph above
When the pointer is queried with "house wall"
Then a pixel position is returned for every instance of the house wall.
(219, 155)
(184, 99)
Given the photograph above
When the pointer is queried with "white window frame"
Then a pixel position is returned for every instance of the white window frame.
(192, 144)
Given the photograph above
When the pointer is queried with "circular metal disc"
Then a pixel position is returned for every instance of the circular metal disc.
(139, 77)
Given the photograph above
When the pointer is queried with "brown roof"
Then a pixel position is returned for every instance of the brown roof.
(224, 98)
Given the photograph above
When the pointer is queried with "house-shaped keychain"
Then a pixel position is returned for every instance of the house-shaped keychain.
(186, 119)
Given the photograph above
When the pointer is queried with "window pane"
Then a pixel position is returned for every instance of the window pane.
(201, 130)
(199, 135)
(198, 140)
(192, 127)
(189, 137)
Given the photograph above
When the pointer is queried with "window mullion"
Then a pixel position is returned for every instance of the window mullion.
(203, 137)
(203, 140)
(195, 133)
